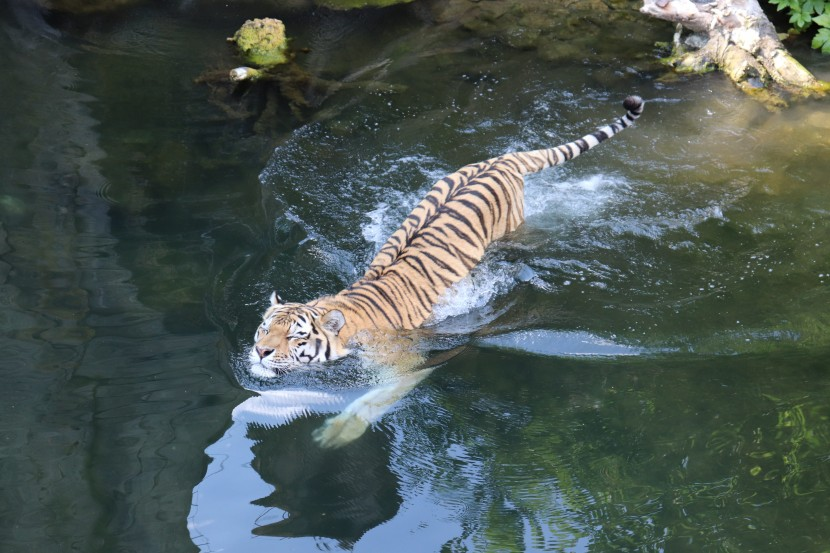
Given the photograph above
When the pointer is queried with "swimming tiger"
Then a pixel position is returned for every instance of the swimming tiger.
(438, 244)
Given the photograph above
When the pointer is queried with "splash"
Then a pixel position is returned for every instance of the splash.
(385, 218)
(546, 197)
(476, 291)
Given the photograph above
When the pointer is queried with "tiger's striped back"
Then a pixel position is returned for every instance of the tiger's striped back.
(447, 233)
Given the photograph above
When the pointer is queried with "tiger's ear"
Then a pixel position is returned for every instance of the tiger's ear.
(276, 299)
(333, 321)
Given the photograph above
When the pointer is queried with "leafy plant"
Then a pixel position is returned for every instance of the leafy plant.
(806, 13)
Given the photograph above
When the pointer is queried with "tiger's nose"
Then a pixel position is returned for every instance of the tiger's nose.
(264, 352)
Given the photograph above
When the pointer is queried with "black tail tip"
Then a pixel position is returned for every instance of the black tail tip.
(633, 104)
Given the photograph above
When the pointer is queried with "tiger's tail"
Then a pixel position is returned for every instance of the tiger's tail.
(537, 160)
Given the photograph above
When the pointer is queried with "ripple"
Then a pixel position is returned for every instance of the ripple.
(559, 343)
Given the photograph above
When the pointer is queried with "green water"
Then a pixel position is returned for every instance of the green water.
(645, 363)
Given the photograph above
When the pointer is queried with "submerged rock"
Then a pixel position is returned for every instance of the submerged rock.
(356, 4)
(557, 29)
(84, 6)
(262, 42)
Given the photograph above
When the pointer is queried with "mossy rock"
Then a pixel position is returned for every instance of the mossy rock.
(262, 42)
(357, 4)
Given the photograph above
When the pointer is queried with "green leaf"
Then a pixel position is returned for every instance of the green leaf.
(823, 20)
(812, 6)
(784, 4)
(822, 41)
(800, 20)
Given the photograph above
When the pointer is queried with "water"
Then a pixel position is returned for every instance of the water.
(643, 364)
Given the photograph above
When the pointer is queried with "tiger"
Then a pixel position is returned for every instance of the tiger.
(437, 245)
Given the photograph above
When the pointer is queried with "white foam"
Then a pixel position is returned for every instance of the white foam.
(545, 196)
(375, 231)
(475, 291)
(390, 212)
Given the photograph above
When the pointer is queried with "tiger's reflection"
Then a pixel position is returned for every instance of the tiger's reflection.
(338, 494)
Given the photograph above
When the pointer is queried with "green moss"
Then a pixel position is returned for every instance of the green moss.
(262, 42)
(823, 87)
(688, 63)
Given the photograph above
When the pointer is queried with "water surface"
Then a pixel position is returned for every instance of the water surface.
(645, 362)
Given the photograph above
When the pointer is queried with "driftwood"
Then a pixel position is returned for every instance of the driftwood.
(736, 37)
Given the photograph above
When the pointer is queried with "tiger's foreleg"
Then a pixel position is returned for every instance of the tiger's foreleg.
(366, 410)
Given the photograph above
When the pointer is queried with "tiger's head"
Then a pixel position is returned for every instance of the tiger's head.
(294, 334)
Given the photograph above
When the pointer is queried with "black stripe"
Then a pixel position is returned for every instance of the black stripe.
(507, 191)
(510, 160)
(452, 251)
(423, 270)
(437, 242)
(391, 253)
(393, 294)
(432, 200)
(393, 297)
(413, 217)
(447, 180)
(555, 158)
(460, 179)
(481, 219)
(443, 266)
(492, 196)
(404, 300)
(366, 307)
(467, 260)
(601, 136)
(461, 234)
(371, 300)
(516, 165)
(416, 291)
(452, 182)
(449, 211)
(379, 290)
(571, 148)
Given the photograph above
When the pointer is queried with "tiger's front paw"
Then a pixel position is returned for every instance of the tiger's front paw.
(340, 430)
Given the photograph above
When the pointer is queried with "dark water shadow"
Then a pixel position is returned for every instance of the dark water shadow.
(338, 494)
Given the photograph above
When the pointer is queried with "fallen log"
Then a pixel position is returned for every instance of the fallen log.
(736, 37)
